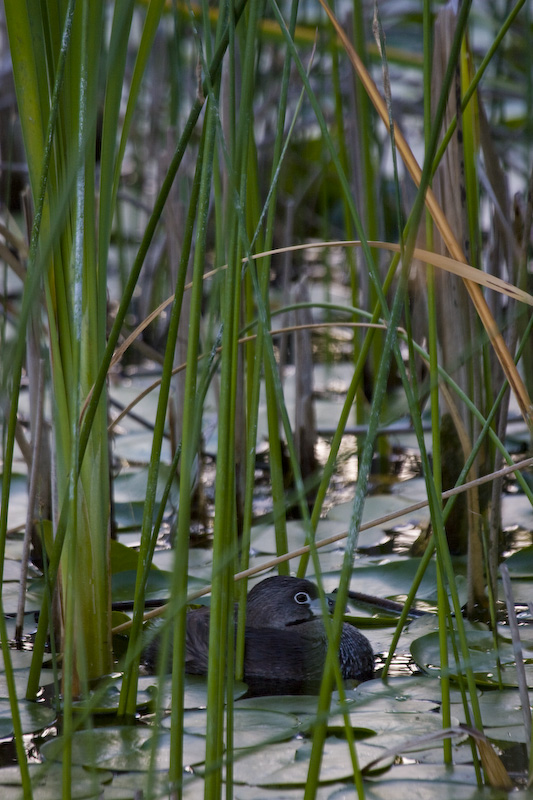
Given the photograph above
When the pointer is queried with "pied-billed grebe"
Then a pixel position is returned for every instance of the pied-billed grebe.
(286, 642)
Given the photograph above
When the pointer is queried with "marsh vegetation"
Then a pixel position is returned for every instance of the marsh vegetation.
(266, 307)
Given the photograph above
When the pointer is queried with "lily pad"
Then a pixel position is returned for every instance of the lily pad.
(287, 763)
(47, 782)
(423, 782)
(394, 579)
(130, 486)
(482, 658)
(520, 564)
(124, 749)
(195, 690)
(394, 728)
(20, 676)
(127, 786)
(10, 595)
(123, 584)
(516, 509)
(403, 689)
(376, 507)
(106, 699)
(251, 727)
(33, 717)
(242, 792)
(11, 570)
(18, 500)
(501, 713)
(302, 706)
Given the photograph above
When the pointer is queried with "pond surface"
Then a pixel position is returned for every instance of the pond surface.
(397, 724)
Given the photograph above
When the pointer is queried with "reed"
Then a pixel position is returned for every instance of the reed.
(86, 74)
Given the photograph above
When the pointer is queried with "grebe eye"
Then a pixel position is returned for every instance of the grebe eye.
(302, 598)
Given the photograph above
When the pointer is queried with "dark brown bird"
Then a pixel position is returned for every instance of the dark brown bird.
(286, 642)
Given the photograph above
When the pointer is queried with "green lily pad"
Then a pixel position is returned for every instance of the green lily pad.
(20, 677)
(195, 690)
(482, 658)
(394, 579)
(18, 500)
(516, 508)
(393, 727)
(495, 706)
(124, 749)
(378, 506)
(460, 747)
(200, 563)
(263, 539)
(520, 564)
(130, 486)
(423, 782)
(302, 706)
(507, 734)
(522, 589)
(20, 659)
(10, 595)
(403, 690)
(251, 727)
(47, 782)
(123, 584)
(126, 786)
(501, 713)
(122, 557)
(105, 700)
(287, 763)
(11, 570)
(33, 717)
(242, 792)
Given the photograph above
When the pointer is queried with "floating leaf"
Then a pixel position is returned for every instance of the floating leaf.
(195, 690)
(47, 782)
(122, 749)
(287, 763)
(423, 782)
(482, 658)
(251, 727)
(520, 564)
(33, 717)
(123, 584)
